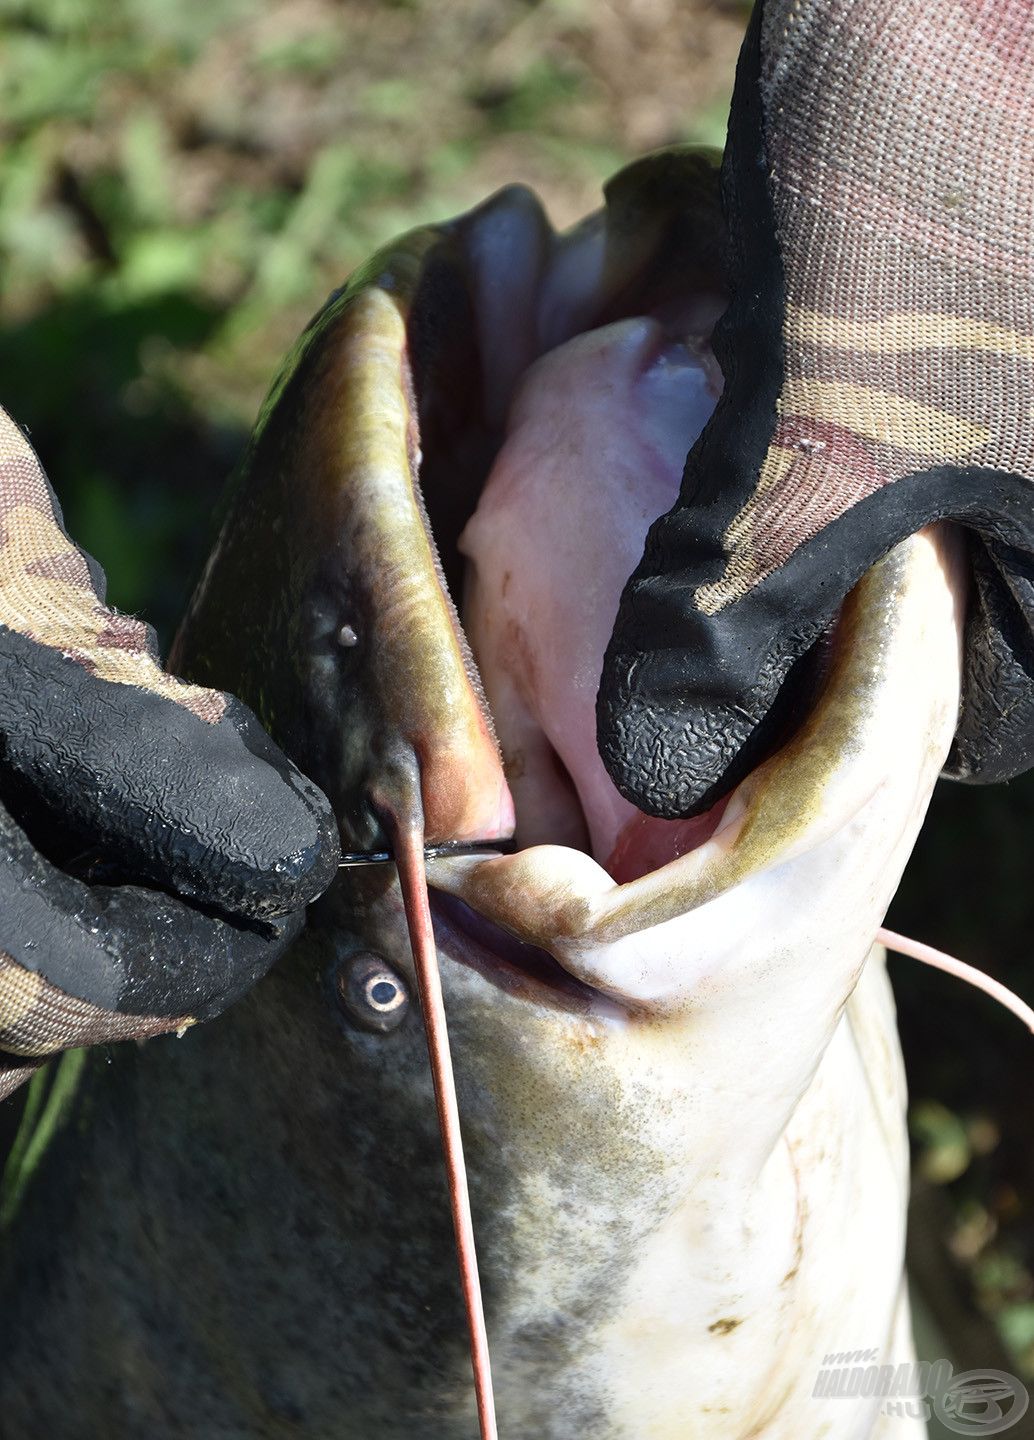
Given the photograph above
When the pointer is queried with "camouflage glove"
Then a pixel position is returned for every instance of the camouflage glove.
(172, 787)
(879, 364)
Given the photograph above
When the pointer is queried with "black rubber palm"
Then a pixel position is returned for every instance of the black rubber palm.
(157, 850)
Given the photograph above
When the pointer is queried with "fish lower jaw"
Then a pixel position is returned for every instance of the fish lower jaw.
(828, 820)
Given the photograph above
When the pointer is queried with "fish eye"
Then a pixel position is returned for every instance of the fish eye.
(383, 994)
(370, 992)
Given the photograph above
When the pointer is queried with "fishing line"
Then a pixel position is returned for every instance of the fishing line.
(969, 973)
(351, 858)
(409, 857)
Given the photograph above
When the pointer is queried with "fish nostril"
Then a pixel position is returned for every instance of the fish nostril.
(370, 993)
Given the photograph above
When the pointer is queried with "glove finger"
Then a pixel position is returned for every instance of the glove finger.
(879, 363)
(81, 964)
(101, 746)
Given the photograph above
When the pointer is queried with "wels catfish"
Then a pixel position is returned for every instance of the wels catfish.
(675, 1047)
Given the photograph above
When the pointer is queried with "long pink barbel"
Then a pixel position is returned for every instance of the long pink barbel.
(409, 857)
(972, 976)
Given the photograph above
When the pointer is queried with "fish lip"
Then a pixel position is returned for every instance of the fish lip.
(531, 973)
(541, 971)
(524, 971)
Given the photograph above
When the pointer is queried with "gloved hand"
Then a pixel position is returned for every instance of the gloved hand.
(879, 364)
(215, 840)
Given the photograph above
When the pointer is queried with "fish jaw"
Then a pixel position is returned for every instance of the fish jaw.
(763, 930)
(323, 598)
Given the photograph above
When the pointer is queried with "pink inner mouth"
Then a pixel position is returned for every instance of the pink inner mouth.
(597, 437)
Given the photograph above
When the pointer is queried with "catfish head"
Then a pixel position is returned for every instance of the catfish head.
(675, 1051)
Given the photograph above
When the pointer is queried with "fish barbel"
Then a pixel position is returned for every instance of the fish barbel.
(675, 1049)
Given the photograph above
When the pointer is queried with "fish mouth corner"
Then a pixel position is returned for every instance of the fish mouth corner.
(521, 969)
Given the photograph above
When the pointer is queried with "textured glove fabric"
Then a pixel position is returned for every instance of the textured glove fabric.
(175, 792)
(83, 964)
(879, 364)
(37, 1019)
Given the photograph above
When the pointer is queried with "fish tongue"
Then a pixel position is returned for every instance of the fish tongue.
(596, 442)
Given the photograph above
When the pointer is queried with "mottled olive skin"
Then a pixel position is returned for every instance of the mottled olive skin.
(246, 1232)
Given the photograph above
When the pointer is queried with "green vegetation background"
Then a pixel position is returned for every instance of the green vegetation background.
(181, 185)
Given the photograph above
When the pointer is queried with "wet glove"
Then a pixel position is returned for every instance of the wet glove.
(879, 361)
(156, 848)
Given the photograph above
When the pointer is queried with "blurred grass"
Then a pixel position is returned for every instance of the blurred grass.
(181, 186)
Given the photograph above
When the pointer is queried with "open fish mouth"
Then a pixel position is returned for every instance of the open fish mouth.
(453, 478)
(807, 849)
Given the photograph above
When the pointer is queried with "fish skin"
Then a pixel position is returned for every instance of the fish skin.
(268, 1255)
(678, 1212)
(274, 1253)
